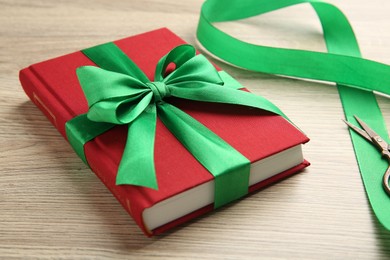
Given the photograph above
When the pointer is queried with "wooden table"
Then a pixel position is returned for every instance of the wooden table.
(53, 206)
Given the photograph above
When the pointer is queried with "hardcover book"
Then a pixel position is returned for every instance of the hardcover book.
(271, 143)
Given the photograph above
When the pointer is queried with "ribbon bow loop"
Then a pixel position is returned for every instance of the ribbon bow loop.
(113, 97)
(120, 97)
(191, 70)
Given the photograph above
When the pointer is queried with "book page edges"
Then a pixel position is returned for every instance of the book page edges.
(202, 195)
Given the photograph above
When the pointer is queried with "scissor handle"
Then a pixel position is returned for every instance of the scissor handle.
(386, 154)
(386, 179)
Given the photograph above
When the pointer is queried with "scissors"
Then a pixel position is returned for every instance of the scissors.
(379, 142)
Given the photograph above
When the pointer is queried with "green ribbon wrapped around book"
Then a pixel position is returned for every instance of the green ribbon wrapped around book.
(119, 93)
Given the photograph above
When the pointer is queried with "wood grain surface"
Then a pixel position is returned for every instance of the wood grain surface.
(53, 206)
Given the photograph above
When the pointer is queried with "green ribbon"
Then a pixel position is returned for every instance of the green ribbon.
(119, 93)
(356, 77)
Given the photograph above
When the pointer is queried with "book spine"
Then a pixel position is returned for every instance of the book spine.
(40, 95)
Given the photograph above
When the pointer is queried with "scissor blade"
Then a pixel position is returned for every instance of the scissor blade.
(358, 130)
(371, 133)
(375, 138)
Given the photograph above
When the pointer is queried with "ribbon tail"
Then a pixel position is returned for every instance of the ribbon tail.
(229, 167)
(80, 130)
(227, 95)
(137, 164)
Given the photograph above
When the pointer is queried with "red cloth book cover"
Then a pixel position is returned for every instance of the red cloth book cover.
(53, 86)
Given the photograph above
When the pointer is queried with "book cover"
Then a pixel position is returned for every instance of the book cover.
(270, 142)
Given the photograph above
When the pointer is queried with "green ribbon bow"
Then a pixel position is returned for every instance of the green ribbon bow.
(119, 93)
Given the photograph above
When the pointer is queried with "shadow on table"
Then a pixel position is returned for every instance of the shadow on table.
(383, 237)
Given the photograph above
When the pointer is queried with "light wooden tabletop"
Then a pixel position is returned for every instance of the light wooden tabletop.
(53, 206)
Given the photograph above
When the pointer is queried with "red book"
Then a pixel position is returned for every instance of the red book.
(271, 143)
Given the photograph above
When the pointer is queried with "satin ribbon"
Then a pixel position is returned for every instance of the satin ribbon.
(119, 93)
(356, 78)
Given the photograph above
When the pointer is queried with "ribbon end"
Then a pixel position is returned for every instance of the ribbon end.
(126, 178)
(151, 185)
